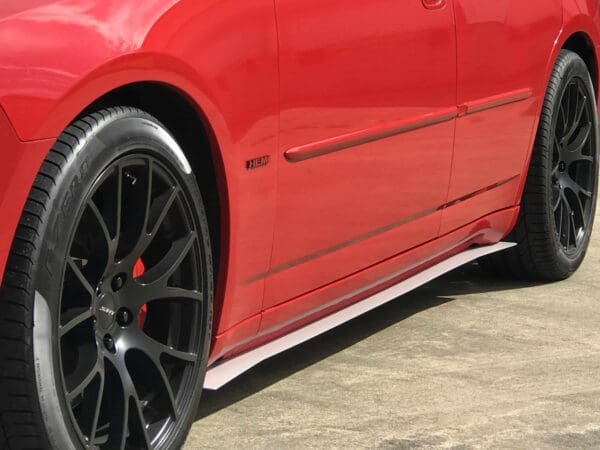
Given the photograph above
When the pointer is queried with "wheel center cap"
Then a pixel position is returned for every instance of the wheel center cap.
(106, 311)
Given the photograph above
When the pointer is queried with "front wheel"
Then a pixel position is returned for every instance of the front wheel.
(559, 203)
(106, 303)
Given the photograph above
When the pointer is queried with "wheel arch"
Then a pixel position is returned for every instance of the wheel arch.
(581, 43)
(580, 33)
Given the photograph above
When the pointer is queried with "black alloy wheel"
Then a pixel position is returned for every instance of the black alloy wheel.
(573, 166)
(111, 269)
(131, 303)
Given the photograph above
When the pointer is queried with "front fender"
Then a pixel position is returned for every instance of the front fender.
(62, 55)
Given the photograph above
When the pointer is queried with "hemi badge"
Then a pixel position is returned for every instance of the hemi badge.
(256, 163)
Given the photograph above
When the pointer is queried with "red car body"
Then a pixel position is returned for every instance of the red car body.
(354, 143)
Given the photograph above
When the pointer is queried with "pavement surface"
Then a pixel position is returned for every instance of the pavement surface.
(467, 361)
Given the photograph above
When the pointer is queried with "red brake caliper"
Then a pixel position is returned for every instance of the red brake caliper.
(138, 271)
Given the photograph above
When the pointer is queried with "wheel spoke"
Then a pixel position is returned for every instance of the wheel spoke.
(168, 389)
(557, 203)
(144, 294)
(557, 145)
(575, 210)
(580, 210)
(141, 420)
(145, 239)
(579, 110)
(97, 409)
(573, 229)
(157, 211)
(119, 201)
(77, 320)
(130, 394)
(177, 354)
(80, 276)
(560, 217)
(575, 187)
(149, 194)
(160, 273)
(125, 424)
(556, 156)
(571, 124)
(565, 118)
(574, 152)
(78, 390)
(155, 349)
(555, 170)
(109, 241)
(175, 292)
(569, 222)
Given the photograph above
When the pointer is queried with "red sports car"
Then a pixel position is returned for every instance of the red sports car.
(191, 186)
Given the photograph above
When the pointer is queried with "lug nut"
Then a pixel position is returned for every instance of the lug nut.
(118, 282)
(109, 343)
(124, 317)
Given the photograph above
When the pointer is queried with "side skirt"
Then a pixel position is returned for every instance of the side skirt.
(222, 373)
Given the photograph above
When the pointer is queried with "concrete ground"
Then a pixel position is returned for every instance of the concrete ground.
(464, 362)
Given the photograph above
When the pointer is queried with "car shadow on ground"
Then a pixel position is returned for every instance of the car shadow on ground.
(465, 280)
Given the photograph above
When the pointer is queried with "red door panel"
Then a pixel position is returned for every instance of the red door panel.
(503, 48)
(367, 123)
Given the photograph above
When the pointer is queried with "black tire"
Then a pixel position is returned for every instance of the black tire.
(561, 188)
(51, 319)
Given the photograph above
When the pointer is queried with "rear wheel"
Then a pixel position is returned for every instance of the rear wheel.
(559, 203)
(106, 302)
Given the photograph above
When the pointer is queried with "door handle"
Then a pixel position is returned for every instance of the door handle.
(434, 4)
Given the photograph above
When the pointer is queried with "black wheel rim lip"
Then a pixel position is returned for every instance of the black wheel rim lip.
(182, 401)
(569, 171)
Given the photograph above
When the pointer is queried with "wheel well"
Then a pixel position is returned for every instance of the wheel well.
(581, 44)
(181, 117)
